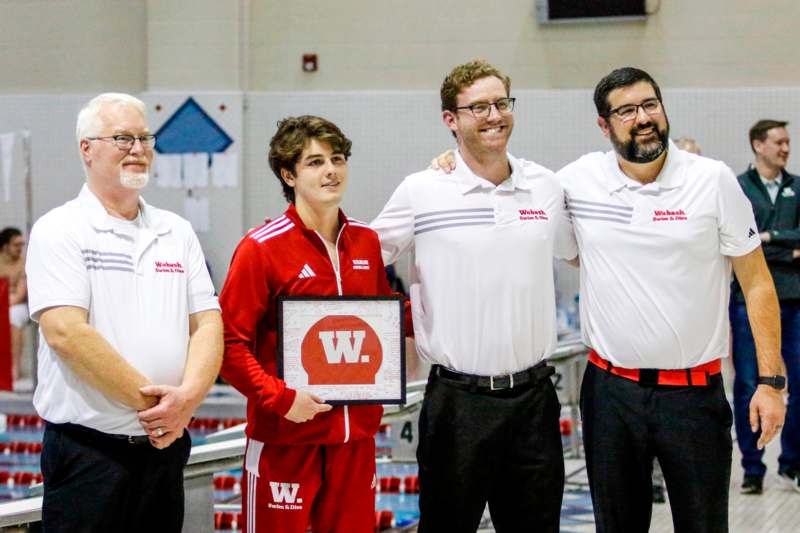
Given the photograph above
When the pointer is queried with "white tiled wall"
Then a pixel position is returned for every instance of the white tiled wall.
(92, 45)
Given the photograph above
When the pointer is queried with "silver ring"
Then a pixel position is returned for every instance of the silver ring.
(159, 432)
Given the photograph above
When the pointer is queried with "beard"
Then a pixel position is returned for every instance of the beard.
(134, 180)
(636, 152)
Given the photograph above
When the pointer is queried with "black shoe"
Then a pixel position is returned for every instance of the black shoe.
(659, 495)
(752, 485)
(791, 478)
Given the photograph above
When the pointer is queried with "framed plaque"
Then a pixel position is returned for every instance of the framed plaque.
(344, 349)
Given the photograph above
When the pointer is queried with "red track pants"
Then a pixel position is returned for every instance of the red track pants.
(329, 487)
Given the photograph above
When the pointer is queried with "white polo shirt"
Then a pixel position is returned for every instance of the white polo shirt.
(139, 283)
(481, 286)
(655, 274)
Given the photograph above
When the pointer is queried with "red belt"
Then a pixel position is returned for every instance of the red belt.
(651, 376)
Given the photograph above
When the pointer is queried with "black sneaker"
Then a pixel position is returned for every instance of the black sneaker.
(790, 478)
(659, 494)
(752, 485)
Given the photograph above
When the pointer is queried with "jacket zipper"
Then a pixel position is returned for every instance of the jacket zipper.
(336, 265)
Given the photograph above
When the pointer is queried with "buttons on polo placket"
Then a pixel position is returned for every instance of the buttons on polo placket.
(138, 267)
(503, 208)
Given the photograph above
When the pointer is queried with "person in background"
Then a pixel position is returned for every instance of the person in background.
(688, 144)
(774, 195)
(395, 281)
(12, 267)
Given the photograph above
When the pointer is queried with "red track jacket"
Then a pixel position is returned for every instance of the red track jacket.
(283, 257)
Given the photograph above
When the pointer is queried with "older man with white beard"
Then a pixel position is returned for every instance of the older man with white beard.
(131, 336)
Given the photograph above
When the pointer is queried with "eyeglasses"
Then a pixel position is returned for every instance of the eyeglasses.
(126, 142)
(628, 112)
(484, 109)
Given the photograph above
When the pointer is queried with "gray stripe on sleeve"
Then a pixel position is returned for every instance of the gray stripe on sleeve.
(609, 219)
(88, 252)
(580, 203)
(109, 261)
(101, 267)
(617, 214)
(434, 228)
(448, 219)
(453, 211)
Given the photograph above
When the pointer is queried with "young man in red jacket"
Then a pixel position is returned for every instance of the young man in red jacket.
(307, 463)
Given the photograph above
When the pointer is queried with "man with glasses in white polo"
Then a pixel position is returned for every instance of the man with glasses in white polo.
(131, 337)
(483, 240)
(659, 230)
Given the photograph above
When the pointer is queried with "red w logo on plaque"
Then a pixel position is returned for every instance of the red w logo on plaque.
(341, 350)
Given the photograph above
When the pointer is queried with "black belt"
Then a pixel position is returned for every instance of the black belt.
(77, 429)
(495, 383)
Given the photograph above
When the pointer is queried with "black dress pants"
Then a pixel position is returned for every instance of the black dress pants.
(96, 483)
(626, 425)
(501, 447)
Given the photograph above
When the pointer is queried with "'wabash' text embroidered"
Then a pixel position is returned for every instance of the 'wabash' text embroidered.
(166, 266)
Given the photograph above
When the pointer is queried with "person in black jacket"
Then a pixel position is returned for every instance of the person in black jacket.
(774, 194)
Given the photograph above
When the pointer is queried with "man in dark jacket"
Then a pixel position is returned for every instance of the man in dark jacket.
(774, 194)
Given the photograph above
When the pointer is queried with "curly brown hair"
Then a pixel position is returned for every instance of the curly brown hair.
(293, 135)
(465, 75)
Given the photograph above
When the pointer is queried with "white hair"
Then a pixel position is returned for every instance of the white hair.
(89, 120)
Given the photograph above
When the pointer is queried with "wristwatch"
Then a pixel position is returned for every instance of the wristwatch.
(776, 382)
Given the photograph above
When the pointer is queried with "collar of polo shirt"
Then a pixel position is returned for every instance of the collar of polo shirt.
(773, 182)
(672, 175)
(101, 220)
(472, 181)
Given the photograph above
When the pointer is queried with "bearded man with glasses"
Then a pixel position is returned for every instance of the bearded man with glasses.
(483, 305)
(659, 230)
(130, 336)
